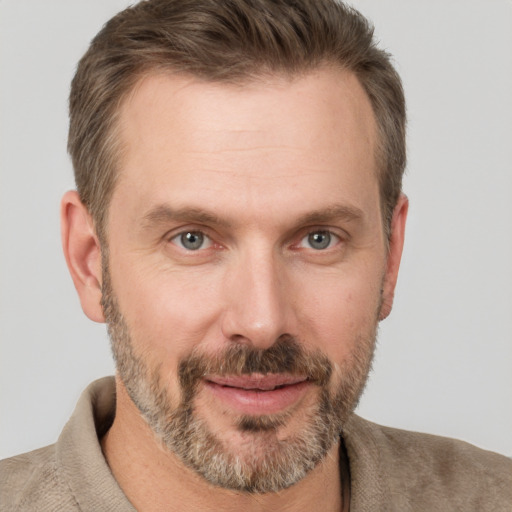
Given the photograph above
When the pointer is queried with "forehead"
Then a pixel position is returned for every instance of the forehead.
(186, 138)
(187, 106)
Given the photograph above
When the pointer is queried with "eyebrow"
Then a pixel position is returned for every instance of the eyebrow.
(164, 214)
(332, 213)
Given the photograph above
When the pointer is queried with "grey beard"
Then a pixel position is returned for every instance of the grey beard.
(266, 463)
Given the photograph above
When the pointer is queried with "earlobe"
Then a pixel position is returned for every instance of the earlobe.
(396, 244)
(83, 253)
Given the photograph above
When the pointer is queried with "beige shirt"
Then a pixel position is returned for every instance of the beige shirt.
(391, 470)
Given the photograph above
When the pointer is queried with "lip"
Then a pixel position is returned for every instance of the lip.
(258, 394)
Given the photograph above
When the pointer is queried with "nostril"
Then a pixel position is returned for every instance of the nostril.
(240, 339)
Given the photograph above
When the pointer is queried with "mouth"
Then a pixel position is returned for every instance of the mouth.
(257, 394)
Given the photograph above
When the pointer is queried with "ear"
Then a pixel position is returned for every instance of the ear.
(396, 244)
(83, 253)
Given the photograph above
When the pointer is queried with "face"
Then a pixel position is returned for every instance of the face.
(246, 269)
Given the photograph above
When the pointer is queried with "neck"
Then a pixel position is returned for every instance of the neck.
(154, 479)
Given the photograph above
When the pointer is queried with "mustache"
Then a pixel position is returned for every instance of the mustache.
(286, 355)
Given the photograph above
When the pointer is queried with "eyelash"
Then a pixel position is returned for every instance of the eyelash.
(331, 237)
(179, 236)
(177, 239)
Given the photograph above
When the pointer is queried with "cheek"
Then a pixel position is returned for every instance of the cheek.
(168, 313)
(339, 311)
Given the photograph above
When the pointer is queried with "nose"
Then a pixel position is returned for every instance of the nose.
(259, 307)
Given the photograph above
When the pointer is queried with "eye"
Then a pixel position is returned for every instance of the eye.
(319, 240)
(192, 240)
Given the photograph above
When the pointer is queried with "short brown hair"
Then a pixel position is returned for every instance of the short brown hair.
(230, 41)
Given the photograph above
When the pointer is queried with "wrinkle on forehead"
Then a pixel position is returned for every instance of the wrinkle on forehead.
(263, 145)
(225, 114)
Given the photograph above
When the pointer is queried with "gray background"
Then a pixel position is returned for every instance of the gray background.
(444, 361)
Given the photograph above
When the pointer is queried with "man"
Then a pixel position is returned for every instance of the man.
(238, 225)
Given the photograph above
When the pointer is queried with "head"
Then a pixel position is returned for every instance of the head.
(238, 223)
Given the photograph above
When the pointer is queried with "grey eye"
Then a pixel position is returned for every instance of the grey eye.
(319, 240)
(191, 240)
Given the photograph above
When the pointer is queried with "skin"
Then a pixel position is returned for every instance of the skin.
(268, 162)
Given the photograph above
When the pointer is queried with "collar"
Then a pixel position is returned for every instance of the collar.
(82, 465)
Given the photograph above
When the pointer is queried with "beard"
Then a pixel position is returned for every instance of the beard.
(265, 462)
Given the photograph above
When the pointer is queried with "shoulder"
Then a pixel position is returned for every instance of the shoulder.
(31, 482)
(423, 469)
